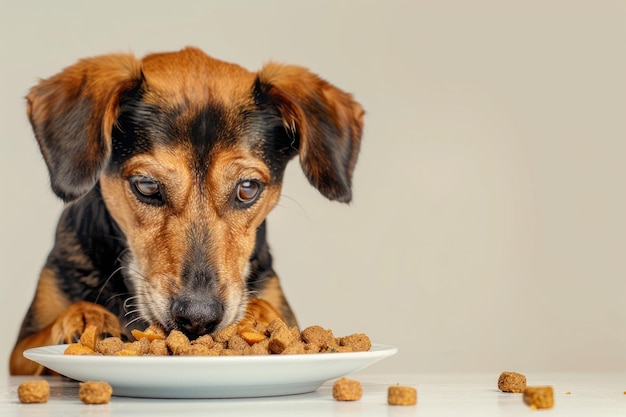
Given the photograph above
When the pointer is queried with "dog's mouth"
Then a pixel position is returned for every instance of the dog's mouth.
(195, 313)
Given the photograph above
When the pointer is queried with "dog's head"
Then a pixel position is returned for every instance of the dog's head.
(189, 154)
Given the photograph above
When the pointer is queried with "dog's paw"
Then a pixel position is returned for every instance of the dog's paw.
(261, 312)
(72, 323)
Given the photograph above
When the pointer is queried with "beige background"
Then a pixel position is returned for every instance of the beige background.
(488, 225)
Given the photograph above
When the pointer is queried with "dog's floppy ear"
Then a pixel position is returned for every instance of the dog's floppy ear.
(72, 115)
(325, 123)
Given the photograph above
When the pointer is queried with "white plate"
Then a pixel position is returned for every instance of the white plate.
(208, 376)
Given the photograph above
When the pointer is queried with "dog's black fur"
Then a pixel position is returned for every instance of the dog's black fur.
(169, 166)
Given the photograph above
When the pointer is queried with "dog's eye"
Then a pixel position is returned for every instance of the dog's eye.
(146, 189)
(247, 192)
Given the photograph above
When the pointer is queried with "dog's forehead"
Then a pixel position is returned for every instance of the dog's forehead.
(191, 100)
(195, 135)
(191, 77)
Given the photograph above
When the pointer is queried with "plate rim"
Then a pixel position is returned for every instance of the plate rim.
(56, 351)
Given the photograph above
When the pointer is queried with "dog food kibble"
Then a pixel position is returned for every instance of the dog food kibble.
(109, 345)
(511, 382)
(78, 349)
(539, 397)
(245, 338)
(224, 335)
(320, 336)
(261, 348)
(401, 395)
(280, 339)
(91, 392)
(158, 348)
(31, 392)
(357, 342)
(90, 337)
(295, 348)
(177, 342)
(237, 342)
(205, 340)
(152, 332)
(252, 336)
(345, 389)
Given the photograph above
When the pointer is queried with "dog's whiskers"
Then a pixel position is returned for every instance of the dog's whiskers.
(117, 260)
(121, 268)
(114, 296)
(253, 294)
(132, 321)
(301, 208)
(131, 312)
(126, 302)
(122, 253)
(106, 282)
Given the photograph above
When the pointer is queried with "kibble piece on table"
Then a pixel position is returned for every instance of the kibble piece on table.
(539, 397)
(345, 389)
(32, 392)
(401, 395)
(511, 382)
(92, 392)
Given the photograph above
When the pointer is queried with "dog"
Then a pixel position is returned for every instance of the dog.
(168, 166)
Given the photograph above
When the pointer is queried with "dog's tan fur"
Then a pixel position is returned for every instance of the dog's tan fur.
(74, 116)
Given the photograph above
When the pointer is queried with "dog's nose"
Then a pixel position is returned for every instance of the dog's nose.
(197, 316)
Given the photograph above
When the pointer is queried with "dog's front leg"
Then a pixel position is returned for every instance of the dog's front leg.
(270, 304)
(67, 328)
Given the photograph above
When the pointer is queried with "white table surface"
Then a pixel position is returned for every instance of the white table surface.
(469, 394)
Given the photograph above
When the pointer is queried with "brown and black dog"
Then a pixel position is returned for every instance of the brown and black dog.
(169, 166)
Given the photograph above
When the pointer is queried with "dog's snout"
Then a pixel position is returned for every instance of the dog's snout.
(196, 316)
